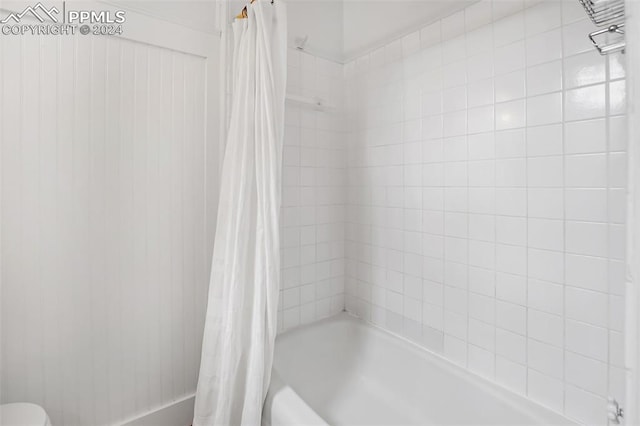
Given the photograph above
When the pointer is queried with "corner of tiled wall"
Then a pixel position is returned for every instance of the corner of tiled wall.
(313, 194)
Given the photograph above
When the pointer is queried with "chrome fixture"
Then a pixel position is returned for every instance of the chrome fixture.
(614, 412)
(608, 14)
(617, 46)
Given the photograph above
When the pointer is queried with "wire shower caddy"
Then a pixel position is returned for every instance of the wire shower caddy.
(610, 15)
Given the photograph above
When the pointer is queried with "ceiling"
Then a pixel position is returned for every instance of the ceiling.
(196, 14)
(340, 30)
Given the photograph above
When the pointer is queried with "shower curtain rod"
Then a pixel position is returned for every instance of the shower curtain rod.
(243, 14)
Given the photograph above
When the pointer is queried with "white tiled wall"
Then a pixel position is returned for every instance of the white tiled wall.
(485, 218)
(314, 183)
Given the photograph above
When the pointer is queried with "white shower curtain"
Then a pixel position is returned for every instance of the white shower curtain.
(241, 319)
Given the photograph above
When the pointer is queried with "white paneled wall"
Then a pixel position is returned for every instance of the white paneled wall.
(314, 182)
(104, 259)
(486, 175)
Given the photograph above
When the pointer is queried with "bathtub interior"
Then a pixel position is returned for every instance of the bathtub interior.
(351, 373)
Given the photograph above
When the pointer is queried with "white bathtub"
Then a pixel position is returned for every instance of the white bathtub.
(342, 371)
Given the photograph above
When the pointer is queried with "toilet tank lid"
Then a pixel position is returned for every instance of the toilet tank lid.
(23, 414)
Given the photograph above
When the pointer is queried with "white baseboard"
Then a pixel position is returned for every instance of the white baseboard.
(177, 413)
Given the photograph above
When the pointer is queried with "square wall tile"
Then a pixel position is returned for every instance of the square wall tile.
(544, 78)
(545, 109)
(509, 29)
(589, 136)
(587, 306)
(510, 86)
(545, 327)
(544, 47)
(546, 359)
(586, 238)
(586, 340)
(545, 390)
(586, 102)
(584, 69)
(509, 58)
(542, 17)
(510, 115)
(544, 140)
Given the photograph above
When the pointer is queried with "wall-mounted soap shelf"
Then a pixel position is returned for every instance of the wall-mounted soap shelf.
(313, 102)
(605, 49)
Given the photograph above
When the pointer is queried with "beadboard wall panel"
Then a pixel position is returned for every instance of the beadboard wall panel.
(104, 237)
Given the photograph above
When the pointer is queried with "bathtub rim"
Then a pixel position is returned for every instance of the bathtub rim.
(540, 413)
(283, 399)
